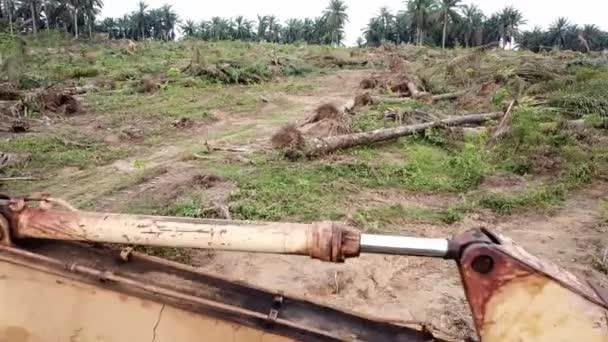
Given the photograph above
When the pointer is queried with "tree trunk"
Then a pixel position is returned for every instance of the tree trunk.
(48, 16)
(34, 15)
(445, 29)
(90, 22)
(10, 15)
(319, 146)
(76, 22)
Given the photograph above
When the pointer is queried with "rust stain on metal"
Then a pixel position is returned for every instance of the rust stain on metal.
(479, 288)
(332, 242)
(53, 224)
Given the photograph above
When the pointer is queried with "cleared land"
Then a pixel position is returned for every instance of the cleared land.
(185, 129)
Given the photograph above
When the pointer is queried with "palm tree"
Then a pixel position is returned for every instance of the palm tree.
(374, 32)
(293, 31)
(448, 13)
(510, 18)
(262, 26)
(8, 5)
(402, 25)
(590, 36)
(204, 30)
(472, 23)
(336, 17)
(242, 29)
(140, 18)
(558, 31)
(387, 22)
(189, 28)
(123, 26)
(91, 9)
(533, 40)
(273, 28)
(35, 15)
(169, 20)
(108, 25)
(420, 13)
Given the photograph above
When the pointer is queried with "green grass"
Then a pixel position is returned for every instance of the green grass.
(55, 151)
(279, 190)
(379, 219)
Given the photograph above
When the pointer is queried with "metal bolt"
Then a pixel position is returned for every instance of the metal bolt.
(483, 264)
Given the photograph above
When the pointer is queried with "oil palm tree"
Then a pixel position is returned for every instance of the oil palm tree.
(188, 28)
(140, 18)
(336, 17)
(591, 35)
(402, 25)
(242, 28)
(472, 23)
(558, 31)
(420, 13)
(91, 9)
(447, 10)
(8, 5)
(262, 26)
(510, 19)
(273, 28)
(169, 19)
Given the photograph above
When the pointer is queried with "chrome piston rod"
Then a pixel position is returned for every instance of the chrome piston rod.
(403, 245)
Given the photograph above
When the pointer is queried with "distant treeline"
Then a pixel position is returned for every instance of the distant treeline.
(440, 23)
(449, 23)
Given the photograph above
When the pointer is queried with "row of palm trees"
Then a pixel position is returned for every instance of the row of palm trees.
(143, 23)
(444, 23)
(449, 23)
(73, 16)
(564, 35)
(325, 29)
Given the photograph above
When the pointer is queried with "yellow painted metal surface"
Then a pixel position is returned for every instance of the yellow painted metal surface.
(40, 307)
(535, 308)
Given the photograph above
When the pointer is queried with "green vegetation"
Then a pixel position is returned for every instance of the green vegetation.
(56, 151)
(377, 219)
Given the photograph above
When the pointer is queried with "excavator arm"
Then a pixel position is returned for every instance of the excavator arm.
(513, 296)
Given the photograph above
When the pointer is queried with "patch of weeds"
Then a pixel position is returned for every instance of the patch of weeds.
(184, 208)
(49, 151)
(365, 122)
(278, 192)
(588, 94)
(599, 261)
(468, 167)
(296, 70)
(173, 73)
(378, 219)
(543, 197)
(499, 98)
(84, 72)
(596, 121)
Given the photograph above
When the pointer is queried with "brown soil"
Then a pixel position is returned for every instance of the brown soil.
(419, 289)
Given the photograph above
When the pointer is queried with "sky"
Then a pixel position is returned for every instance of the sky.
(536, 12)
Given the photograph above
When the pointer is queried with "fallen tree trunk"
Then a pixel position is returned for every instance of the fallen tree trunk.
(398, 100)
(318, 146)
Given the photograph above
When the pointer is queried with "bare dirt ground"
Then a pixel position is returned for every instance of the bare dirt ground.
(419, 289)
(393, 288)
